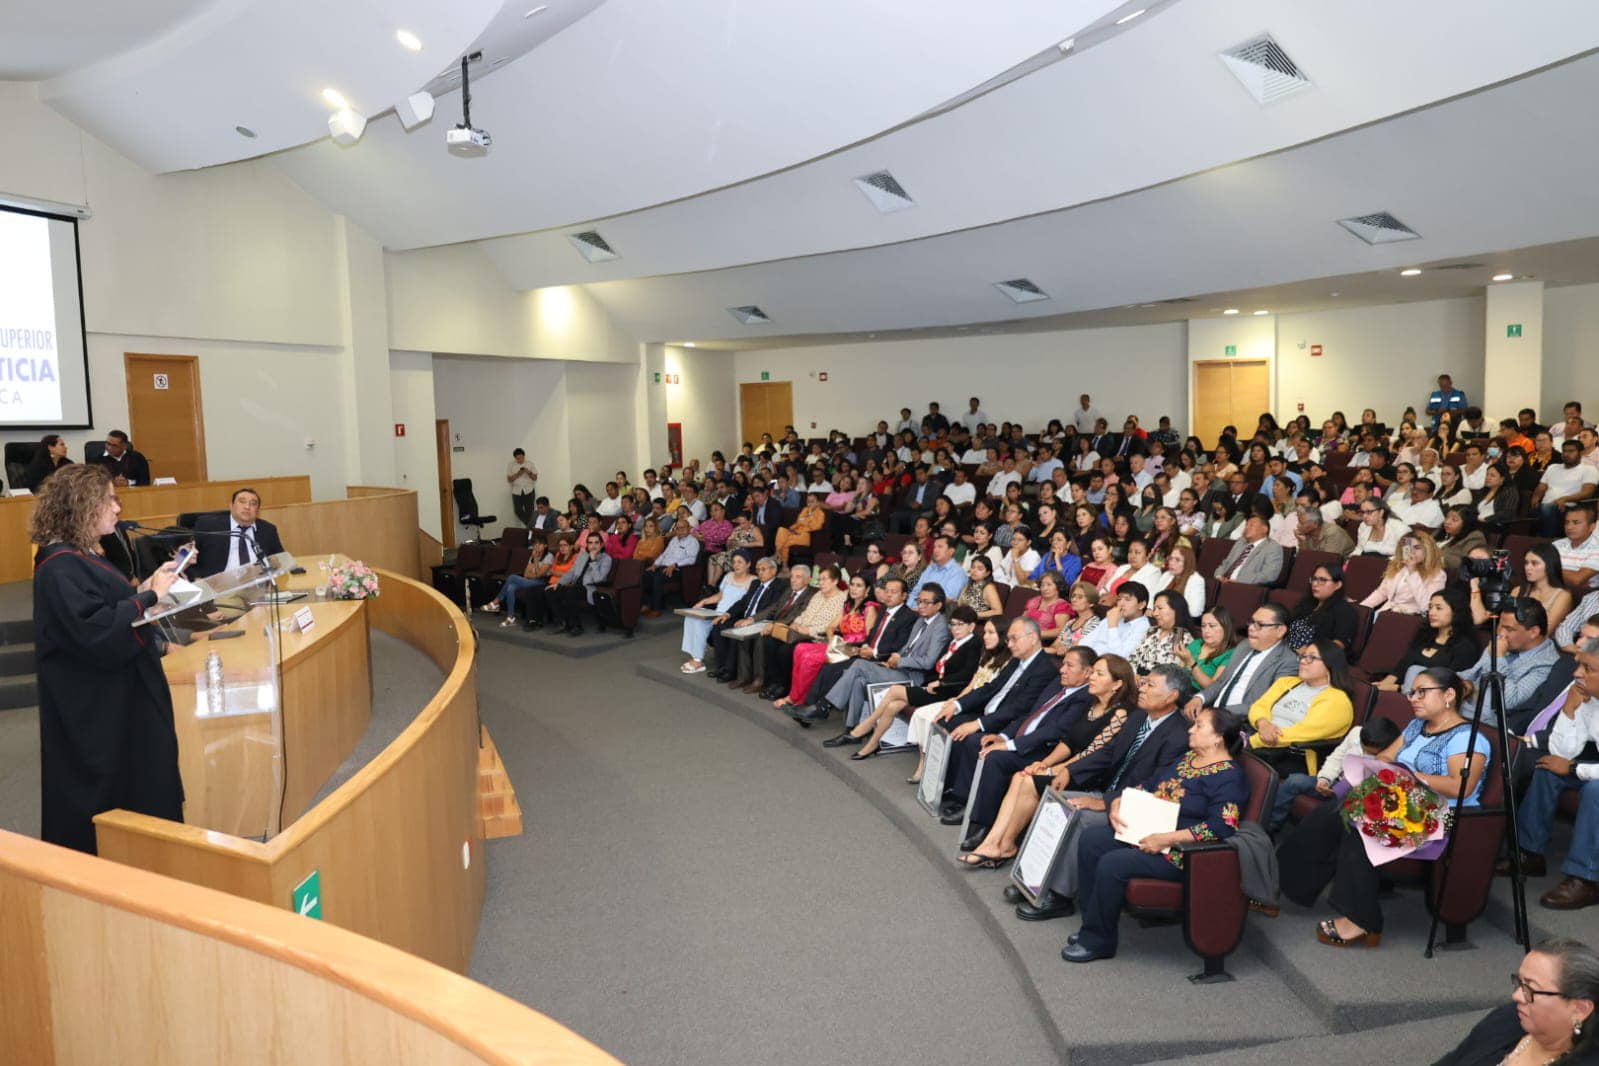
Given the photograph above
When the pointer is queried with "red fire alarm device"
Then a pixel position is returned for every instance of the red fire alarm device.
(822, 376)
(1315, 350)
(399, 429)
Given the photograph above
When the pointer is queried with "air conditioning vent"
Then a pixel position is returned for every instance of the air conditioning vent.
(749, 316)
(1021, 290)
(1177, 300)
(1456, 266)
(885, 192)
(1380, 228)
(592, 246)
(1265, 70)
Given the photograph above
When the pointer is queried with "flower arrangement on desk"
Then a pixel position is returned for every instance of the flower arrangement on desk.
(352, 580)
(1394, 813)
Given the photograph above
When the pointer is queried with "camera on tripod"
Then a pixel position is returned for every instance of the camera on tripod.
(1492, 576)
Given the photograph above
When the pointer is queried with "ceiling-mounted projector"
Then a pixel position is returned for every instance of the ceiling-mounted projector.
(466, 139)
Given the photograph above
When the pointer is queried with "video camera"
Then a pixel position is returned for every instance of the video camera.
(1492, 576)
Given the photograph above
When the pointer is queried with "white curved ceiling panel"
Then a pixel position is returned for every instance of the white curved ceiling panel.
(41, 40)
(644, 102)
(1506, 168)
(173, 102)
(1140, 109)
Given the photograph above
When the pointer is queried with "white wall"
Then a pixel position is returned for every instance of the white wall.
(415, 454)
(1570, 349)
(1031, 377)
(704, 399)
(1385, 357)
(600, 422)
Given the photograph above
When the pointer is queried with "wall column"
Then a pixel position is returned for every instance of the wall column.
(1512, 376)
(650, 408)
(363, 377)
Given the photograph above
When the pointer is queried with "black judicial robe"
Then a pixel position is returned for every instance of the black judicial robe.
(106, 735)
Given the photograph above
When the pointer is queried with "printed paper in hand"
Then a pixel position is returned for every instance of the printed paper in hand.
(1143, 814)
(697, 612)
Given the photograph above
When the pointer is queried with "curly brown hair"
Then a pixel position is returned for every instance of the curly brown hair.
(68, 504)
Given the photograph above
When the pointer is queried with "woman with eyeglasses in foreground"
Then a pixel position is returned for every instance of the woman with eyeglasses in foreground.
(1321, 849)
(1550, 1016)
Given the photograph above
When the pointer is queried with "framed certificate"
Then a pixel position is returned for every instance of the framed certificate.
(1042, 845)
(971, 797)
(930, 793)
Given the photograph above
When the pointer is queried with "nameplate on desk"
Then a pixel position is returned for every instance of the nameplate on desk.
(19, 492)
(304, 620)
(166, 481)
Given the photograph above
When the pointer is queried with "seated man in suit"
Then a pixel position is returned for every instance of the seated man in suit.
(242, 537)
(735, 661)
(766, 515)
(918, 501)
(1019, 744)
(893, 630)
(1151, 740)
(127, 466)
(1255, 666)
(1255, 559)
(763, 591)
(929, 634)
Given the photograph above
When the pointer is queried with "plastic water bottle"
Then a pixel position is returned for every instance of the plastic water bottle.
(213, 683)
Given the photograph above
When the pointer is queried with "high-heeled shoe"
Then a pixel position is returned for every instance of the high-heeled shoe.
(914, 779)
(1327, 933)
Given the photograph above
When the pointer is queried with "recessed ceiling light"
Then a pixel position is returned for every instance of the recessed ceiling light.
(334, 98)
(408, 40)
(688, 344)
(1262, 312)
(1335, 294)
(1410, 273)
(246, 131)
(1066, 45)
(1504, 277)
(1129, 17)
(1230, 311)
(534, 11)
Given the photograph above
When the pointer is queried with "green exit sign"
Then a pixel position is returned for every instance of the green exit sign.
(766, 375)
(1513, 330)
(657, 377)
(307, 896)
(1231, 349)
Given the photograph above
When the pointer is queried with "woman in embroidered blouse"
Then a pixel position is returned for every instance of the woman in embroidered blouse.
(745, 539)
(810, 519)
(714, 531)
(980, 593)
(1050, 608)
(857, 614)
(696, 631)
(1210, 789)
(1168, 633)
(1082, 622)
(1114, 687)
(1205, 657)
(1414, 573)
(624, 542)
(990, 661)
(1320, 849)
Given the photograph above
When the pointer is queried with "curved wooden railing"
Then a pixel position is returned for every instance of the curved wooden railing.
(99, 963)
(397, 846)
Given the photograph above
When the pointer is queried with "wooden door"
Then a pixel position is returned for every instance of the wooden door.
(1229, 392)
(441, 442)
(765, 407)
(165, 418)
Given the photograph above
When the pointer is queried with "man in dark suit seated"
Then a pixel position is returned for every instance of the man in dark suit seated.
(1024, 741)
(738, 662)
(1003, 701)
(918, 502)
(127, 466)
(241, 537)
(766, 515)
(893, 629)
(763, 592)
(1152, 739)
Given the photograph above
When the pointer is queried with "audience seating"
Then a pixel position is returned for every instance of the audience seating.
(1240, 600)
(450, 578)
(1390, 638)
(1304, 565)
(626, 591)
(1211, 554)
(1362, 575)
(1363, 615)
(1209, 899)
(1289, 598)
(1016, 601)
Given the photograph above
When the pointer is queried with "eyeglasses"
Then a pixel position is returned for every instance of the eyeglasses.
(1418, 691)
(1518, 984)
(1310, 658)
(1368, 510)
(1319, 580)
(1255, 623)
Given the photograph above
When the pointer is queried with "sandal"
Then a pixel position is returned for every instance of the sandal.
(690, 668)
(784, 702)
(1327, 933)
(984, 862)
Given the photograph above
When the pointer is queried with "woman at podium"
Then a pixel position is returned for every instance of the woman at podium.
(106, 737)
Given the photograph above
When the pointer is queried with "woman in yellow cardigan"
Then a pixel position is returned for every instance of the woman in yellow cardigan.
(808, 521)
(1315, 706)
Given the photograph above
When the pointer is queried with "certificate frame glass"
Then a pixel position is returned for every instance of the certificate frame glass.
(930, 792)
(1055, 804)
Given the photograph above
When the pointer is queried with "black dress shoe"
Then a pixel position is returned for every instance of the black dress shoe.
(840, 740)
(772, 692)
(955, 817)
(895, 749)
(1013, 894)
(974, 838)
(1078, 953)
(575, 631)
(1071, 941)
(1048, 907)
(951, 807)
(810, 717)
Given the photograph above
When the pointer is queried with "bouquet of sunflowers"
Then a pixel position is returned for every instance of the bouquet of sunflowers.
(352, 580)
(1395, 814)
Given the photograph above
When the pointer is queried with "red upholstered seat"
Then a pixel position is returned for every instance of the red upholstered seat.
(1387, 643)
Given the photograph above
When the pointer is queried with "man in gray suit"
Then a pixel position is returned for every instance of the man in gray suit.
(1256, 559)
(928, 639)
(1254, 666)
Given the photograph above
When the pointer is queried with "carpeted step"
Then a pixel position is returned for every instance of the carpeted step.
(16, 631)
(16, 660)
(18, 692)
